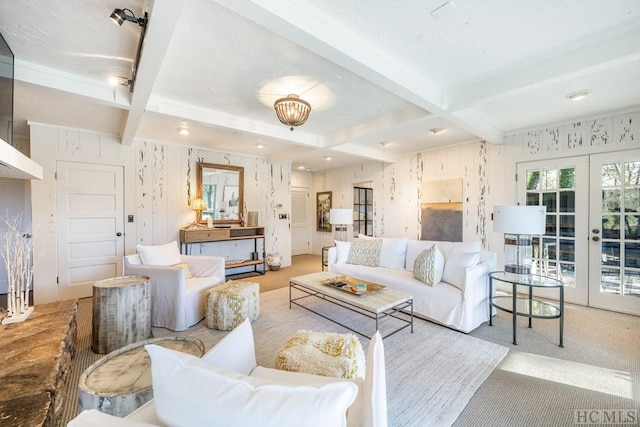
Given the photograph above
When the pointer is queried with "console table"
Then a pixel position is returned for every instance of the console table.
(189, 236)
(528, 307)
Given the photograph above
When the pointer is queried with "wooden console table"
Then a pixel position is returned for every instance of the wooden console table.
(189, 236)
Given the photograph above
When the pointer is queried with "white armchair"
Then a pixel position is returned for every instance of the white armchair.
(192, 391)
(178, 301)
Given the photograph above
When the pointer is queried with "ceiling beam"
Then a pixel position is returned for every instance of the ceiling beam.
(163, 20)
(103, 92)
(313, 29)
(366, 153)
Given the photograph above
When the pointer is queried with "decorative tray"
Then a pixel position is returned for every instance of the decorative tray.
(350, 285)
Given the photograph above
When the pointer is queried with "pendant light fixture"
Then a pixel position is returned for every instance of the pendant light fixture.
(292, 111)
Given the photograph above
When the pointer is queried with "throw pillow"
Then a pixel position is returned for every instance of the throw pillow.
(365, 252)
(392, 252)
(235, 351)
(189, 391)
(343, 251)
(455, 269)
(429, 266)
(185, 267)
(166, 255)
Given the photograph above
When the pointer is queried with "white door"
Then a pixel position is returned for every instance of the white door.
(90, 226)
(614, 245)
(562, 186)
(300, 241)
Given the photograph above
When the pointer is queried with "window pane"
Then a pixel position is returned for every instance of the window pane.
(632, 173)
(567, 201)
(549, 249)
(568, 275)
(550, 228)
(611, 175)
(610, 280)
(356, 197)
(533, 199)
(632, 282)
(567, 250)
(632, 199)
(631, 227)
(533, 180)
(632, 255)
(611, 200)
(567, 226)
(549, 200)
(611, 226)
(550, 180)
(611, 253)
(568, 178)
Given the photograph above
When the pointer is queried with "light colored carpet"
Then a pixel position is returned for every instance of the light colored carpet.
(431, 374)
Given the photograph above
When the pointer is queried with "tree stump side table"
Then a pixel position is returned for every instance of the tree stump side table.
(121, 312)
(120, 382)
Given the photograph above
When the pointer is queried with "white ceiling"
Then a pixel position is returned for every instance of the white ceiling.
(373, 71)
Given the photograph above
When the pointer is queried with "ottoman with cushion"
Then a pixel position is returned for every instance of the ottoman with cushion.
(322, 353)
(229, 304)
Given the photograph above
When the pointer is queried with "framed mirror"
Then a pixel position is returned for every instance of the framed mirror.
(222, 188)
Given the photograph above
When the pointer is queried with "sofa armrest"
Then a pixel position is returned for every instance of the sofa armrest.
(206, 266)
(476, 286)
(332, 256)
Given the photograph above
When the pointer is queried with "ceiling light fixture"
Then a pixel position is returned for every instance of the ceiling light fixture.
(119, 16)
(260, 146)
(328, 158)
(119, 80)
(183, 131)
(292, 111)
(301, 167)
(435, 131)
(578, 95)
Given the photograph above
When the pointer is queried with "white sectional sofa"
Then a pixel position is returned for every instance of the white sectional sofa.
(458, 296)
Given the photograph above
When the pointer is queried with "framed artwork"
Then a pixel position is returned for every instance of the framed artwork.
(441, 210)
(323, 204)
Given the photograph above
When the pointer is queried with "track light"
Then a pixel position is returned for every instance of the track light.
(120, 15)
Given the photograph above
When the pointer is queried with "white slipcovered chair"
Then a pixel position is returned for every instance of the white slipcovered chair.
(178, 283)
(227, 387)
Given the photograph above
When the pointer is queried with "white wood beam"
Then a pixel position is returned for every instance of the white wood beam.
(366, 152)
(163, 19)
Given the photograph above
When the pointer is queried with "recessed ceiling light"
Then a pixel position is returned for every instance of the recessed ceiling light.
(578, 95)
(327, 158)
(260, 146)
(301, 167)
(435, 131)
(183, 131)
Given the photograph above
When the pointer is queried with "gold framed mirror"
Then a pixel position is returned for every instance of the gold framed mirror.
(222, 188)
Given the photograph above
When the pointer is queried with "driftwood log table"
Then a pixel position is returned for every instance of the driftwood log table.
(120, 382)
(121, 312)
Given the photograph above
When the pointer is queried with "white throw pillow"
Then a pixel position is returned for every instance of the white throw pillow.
(189, 391)
(393, 252)
(455, 267)
(429, 266)
(235, 351)
(167, 254)
(343, 251)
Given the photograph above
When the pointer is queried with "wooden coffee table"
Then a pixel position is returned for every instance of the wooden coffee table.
(376, 305)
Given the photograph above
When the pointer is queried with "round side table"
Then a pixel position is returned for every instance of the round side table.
(120, 382)
(121, 312)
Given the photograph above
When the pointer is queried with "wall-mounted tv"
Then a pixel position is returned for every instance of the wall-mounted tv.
(6, 91)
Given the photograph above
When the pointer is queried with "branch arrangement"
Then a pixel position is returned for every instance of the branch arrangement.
(17, 252)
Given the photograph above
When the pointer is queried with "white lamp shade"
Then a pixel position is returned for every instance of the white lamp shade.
(519, 219)
(341, 216)
(199, 204)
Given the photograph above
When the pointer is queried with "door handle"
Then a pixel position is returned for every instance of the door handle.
(118, 234)
(595, 238)
(595, 231)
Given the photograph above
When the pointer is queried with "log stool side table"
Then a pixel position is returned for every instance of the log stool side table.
(121, 312)
(120, 382)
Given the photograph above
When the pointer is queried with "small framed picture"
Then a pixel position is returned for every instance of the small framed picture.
(323, 205)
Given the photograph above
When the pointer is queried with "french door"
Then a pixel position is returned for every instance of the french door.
(592, 237)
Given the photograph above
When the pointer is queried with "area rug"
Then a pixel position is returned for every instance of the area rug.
(431, 374)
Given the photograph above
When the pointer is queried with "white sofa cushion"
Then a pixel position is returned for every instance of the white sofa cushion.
(236, 351)
(429, 266)
(95, 418)
(167, 254)
(414, 247)
(343, 251)
(365, 252)
(456, 266)
(189, 391)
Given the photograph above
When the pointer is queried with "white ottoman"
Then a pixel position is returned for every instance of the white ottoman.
(229, 304)
(322, 353)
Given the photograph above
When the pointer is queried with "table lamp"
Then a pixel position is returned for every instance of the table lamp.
(198, 206)
(519, 223)
(340, 218)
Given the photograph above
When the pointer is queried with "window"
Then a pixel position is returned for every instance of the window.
(362, 211)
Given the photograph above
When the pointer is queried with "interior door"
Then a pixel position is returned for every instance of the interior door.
(562, 252)
(614, 245)
(300, 241)
(90, 226)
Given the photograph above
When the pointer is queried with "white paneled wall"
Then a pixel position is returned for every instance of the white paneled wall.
(159, 185)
